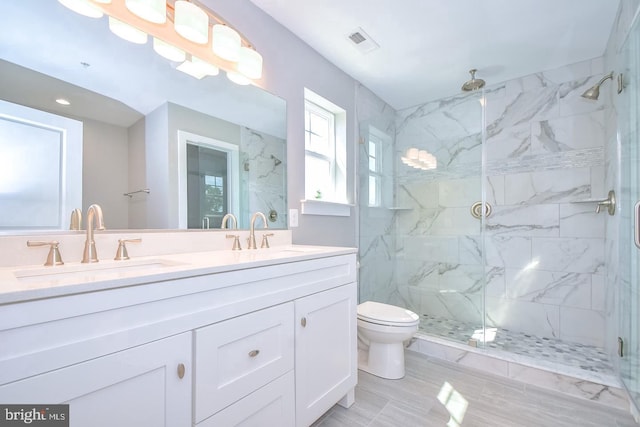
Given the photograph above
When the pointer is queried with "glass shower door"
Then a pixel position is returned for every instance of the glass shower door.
(629, 251)
(440, 265)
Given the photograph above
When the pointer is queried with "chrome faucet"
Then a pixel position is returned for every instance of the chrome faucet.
(226, 218)
(90, 254)
(252, 233)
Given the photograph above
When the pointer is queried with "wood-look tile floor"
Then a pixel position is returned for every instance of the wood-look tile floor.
(491, 401)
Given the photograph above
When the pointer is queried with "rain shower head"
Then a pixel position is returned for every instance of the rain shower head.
(473, 84)
(594, 92)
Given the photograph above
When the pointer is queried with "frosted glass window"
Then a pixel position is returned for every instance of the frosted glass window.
(38, 165)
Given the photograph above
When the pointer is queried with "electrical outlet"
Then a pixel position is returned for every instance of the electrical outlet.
(293, 218)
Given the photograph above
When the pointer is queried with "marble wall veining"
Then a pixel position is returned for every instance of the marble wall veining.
(542, 257)
(262, 175)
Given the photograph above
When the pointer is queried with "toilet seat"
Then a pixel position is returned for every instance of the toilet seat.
(386, 315)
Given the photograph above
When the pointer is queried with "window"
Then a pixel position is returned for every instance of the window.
(319, 142)
(325, 150)
(375, 175)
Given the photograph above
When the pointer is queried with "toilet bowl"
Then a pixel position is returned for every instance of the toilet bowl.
(382, 331)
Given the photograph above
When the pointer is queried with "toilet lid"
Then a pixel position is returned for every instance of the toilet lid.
(376, 312)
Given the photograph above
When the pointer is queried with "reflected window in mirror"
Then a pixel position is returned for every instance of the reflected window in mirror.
(40, 168)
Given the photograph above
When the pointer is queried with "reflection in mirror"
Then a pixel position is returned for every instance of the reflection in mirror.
(132, 105)
(208, 180)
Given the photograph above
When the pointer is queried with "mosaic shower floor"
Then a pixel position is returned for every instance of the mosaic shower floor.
(545, 350)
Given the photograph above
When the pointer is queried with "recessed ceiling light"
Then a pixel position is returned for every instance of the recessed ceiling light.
(63, 101)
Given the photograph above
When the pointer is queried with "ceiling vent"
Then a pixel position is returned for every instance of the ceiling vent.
(362, 41)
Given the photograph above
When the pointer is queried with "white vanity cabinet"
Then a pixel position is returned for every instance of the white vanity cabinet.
(148, 385)
(326, 351)
(273, 344)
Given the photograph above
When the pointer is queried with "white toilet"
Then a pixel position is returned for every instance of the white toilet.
(382, 331)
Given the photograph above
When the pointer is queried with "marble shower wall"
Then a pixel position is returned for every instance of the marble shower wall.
(263, 173)
(545, 264)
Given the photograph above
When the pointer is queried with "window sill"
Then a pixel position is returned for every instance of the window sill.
(318, 207)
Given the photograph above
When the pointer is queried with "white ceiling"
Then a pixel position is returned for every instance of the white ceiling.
(428, 46)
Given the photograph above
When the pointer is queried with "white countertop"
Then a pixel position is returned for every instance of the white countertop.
(24, 283)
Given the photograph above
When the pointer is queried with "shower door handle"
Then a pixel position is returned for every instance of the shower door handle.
(636, 224)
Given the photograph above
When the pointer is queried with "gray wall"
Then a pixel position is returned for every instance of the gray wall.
(289, 66)
(105, 171)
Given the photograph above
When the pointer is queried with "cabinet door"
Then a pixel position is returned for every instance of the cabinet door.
(140, 386)
(326, 354)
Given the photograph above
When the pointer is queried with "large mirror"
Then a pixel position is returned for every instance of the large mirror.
(159, 149)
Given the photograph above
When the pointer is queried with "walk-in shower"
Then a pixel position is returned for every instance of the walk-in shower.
(499, 248)
(543, 286)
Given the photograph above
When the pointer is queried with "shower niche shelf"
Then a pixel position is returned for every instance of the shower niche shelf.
(392, 208)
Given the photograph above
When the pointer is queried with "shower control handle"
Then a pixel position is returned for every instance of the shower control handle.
(479, 210)
(636, 224)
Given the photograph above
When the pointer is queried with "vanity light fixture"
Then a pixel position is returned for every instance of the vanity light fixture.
(168, 51)
(237, 78)
(225, 42)
(191, 22)
(126, 31)
(198, 68)
(180, 29)
(85, 7)
(151, 10)
(250, 63)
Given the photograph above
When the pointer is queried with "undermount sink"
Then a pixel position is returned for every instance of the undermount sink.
(91, 271)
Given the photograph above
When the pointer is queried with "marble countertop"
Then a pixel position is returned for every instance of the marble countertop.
(24, 283)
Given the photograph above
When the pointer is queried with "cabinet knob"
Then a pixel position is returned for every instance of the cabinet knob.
(254, 353)
(181, 370)
(303, 322)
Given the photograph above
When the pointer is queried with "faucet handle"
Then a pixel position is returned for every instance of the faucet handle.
(121, 253)
(236, 242)
(53, 258)
(265, 240)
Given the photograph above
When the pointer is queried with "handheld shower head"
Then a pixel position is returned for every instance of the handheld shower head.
(473, 84)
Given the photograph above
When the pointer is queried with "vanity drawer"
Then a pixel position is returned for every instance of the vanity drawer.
(272, 405)
(235, 357)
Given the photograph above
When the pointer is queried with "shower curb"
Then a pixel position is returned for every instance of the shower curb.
(600, 388)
